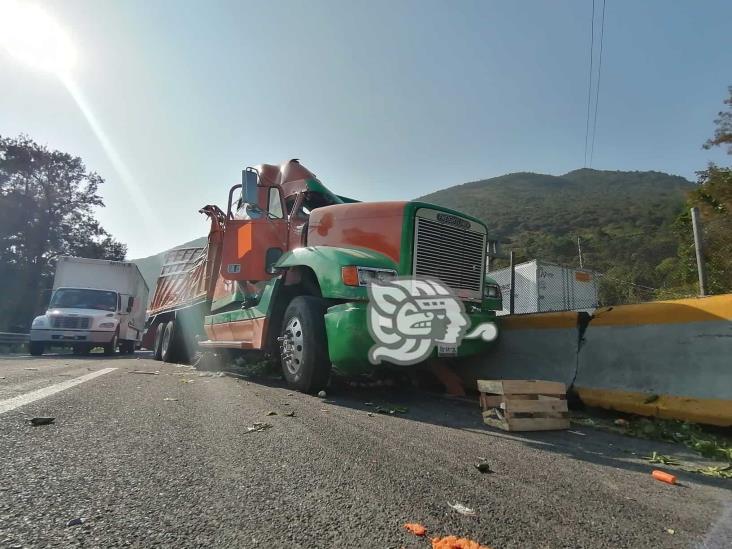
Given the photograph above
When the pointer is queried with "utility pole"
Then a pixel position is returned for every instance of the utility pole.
(579, 250)
(699, 247)
(513, 282)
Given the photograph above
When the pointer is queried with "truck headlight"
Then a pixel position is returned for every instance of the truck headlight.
(492, 291)
(39, 322)
(363, 276)
(108, 325)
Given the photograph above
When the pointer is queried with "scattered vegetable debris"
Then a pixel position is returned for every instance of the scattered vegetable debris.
(454, 542)
(416, 528)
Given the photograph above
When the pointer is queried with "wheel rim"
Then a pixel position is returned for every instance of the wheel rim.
(291, 345)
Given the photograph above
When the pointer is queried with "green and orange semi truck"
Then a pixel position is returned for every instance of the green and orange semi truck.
(286, 268)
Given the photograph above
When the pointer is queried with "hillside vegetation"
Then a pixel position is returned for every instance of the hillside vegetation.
(627, 222)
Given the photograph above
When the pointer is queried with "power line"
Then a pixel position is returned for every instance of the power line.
(597, 89)
(589, 84)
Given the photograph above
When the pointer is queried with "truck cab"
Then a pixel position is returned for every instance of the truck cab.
(287, 271)
(105, 309)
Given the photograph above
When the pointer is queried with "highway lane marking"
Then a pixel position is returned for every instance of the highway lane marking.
(21, 400)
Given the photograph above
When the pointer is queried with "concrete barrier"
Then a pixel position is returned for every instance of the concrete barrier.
(671, 359)
(531, 346)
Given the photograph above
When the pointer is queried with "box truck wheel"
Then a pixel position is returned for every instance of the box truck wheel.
(127, 347)
(167, 344)
(81, 349)
(158, 345)
(303, 344)
(35, 348)
(111, 347)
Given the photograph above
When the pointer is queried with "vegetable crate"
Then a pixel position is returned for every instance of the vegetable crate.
(524, 405)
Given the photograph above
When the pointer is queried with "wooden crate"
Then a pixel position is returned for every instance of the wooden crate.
(524, 405)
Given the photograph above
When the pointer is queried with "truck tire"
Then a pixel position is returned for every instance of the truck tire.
(158, 345)
(81, 349)
(182, 348)
(304, 346)
(35, 348)
(167, 343)
(111, 347)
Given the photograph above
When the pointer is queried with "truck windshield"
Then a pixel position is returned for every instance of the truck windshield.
(313, 200)
(73, 298)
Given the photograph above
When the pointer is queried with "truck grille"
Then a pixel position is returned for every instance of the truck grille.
(70, 322)
(451, 249)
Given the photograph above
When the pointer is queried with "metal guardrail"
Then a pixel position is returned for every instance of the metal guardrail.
(12, 338)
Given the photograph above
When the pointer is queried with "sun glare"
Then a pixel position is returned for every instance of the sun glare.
(32, 36)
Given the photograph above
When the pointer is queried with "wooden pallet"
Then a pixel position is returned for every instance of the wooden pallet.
(524, 405)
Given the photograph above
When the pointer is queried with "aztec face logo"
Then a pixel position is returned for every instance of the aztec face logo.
(408, 317)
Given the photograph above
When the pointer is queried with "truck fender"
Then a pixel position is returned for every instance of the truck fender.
(326, 263)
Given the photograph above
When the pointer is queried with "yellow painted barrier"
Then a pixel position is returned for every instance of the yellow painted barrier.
(670, 359)
(696, 410)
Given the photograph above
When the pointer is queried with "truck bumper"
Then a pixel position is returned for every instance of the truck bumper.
(349, 340)
(70, 337)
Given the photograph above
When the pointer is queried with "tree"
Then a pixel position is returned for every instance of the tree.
(47, 199)
(723, 133)
(713, 197)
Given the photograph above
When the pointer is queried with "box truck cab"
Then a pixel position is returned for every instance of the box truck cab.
(95, 303)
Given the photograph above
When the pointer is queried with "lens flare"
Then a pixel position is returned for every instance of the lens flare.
(33, 37)
(30, 35)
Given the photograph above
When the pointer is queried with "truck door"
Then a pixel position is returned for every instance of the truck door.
(255, 238)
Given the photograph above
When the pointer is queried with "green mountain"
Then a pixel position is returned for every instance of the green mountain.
(579, 201)
(626, 222)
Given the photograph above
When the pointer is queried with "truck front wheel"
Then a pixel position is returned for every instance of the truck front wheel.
(81, 350)
(111, 347)
(303, 345)
(36, 348)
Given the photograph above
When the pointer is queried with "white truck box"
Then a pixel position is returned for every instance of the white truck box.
(543, 287)
(73, 318)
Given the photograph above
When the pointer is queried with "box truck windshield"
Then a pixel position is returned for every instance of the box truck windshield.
(73, 298)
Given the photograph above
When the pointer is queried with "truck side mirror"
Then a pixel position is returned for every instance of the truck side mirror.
(249, 179)
(130, 303)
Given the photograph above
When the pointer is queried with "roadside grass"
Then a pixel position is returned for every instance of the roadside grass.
(706, 441)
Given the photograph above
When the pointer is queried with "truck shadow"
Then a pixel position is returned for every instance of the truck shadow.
(581, 443)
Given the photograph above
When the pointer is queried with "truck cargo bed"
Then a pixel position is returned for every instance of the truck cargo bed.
(182, 281)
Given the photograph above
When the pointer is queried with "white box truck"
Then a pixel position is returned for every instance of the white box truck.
(95, 303)
(542, 287)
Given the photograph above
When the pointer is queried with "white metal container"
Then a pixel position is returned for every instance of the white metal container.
(543, 287)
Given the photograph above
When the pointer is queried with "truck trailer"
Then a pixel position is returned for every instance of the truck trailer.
(286, 269)
(94, 303)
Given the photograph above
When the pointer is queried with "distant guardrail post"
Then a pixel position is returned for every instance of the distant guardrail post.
(511, 295)
(699, 248)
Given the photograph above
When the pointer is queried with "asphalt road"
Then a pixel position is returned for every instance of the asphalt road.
(166, 460)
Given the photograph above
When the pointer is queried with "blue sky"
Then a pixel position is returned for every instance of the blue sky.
(383, 100)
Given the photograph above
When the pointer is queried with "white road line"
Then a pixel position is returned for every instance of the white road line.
(22, 400)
